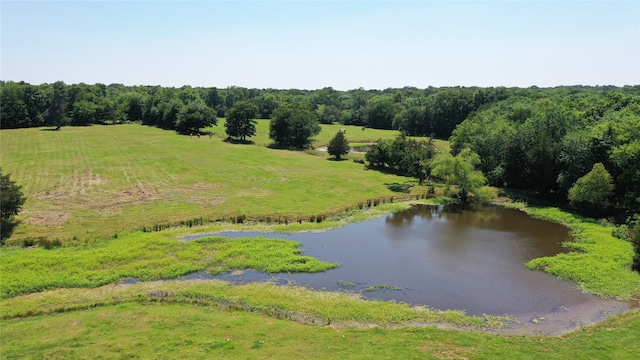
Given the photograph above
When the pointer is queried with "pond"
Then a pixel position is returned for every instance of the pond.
(472, 260)
(361, 149)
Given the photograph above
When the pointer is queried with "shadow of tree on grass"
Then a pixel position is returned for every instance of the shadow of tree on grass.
(231, 140)
(398, 187)
(6, 229)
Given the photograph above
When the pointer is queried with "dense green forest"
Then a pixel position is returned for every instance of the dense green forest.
(577, 143)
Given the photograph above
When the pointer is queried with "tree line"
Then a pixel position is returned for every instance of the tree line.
(540, 139)
(575, 143)
(417, 112)
(548, 144)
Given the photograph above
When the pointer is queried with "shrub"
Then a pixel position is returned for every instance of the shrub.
(591, 193)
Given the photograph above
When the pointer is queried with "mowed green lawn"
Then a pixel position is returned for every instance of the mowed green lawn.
(354, 134)
(87, 182)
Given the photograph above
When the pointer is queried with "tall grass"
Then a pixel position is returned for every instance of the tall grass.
(290, 302)
(145, 256)
(170, 330)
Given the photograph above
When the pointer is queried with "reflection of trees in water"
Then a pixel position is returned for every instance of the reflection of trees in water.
(492, 218)
(458, 221)
(404, 218)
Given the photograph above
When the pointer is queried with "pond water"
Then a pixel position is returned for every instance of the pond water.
(470, 260)
(354, 149)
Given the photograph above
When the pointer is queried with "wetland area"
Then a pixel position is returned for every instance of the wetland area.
(444, 258)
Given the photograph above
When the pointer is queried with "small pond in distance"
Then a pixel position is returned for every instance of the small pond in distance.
(472, 260)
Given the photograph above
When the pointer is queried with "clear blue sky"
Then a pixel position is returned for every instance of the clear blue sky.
(311, 45)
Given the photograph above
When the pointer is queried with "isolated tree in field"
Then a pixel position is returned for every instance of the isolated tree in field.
(195, 116)
(591, 192)
(293, 125)
(11, 198)
(459, 171)
(240, 120)
(338, 146)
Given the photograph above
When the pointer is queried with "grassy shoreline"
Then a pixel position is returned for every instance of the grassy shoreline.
(291, 302)
(599, 262)
(148, 329)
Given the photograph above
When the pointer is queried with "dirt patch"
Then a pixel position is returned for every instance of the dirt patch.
(87, 195)
(75, 185)
(257, 192)
(276, 172)
(197, 193)
(447, 351)
(198, 187)
(207, 201)
(136, 195)
(47, 218)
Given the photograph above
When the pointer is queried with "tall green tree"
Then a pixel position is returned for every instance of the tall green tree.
(11, 197)
(634, 236)
(591, 192)
(411, 121)
(195, 116)
(83, 113)
(131, 106)
(12, 107)
(356, 114)
(378, 156)
(625, 156)
(329, 114)
(403, 155)
(240, 120)
(215, 101)
(58, 106)
(266, 104)
(36, 104)
(487, 134)
(459, 171)
(381, 113)
(339, 145)
(293, 125)
(446, 109)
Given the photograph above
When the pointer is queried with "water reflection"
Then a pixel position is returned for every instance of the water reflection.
(471, 260)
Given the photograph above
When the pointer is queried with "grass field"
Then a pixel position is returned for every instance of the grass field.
(89, 182)
(93, 187)
(354, 134)
(158, 330)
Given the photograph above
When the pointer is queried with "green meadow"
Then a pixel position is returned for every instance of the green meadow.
(107, 204)
(159, 329)
(92, 182)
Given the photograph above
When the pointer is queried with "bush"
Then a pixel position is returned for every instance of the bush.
(591, 193)
(633, 224)
(485, 194)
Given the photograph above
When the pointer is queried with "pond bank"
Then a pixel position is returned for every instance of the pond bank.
(567, 311)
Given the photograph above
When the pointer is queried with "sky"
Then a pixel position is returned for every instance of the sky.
(317, 44)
